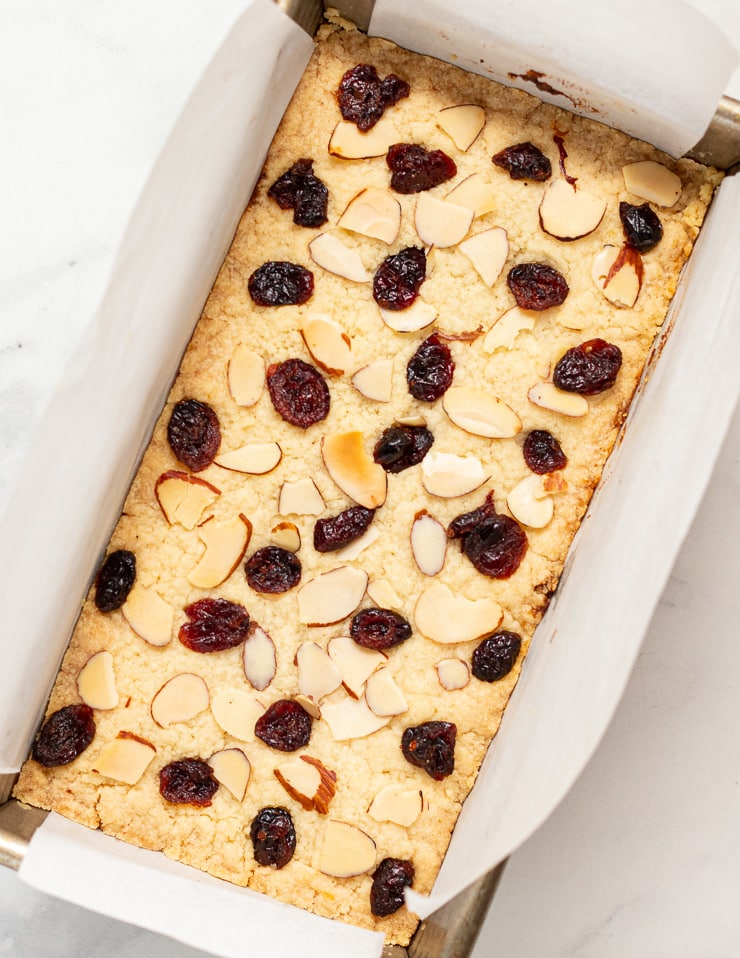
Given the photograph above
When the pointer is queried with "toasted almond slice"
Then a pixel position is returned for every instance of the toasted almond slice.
(415, 420)
(286, 536)
(441, 223)
(125, 759)
(255, 458)
(374, 213)
(308, 781)
(447, 475)
(617, 273)
(351, 718)
(446, 617)
(351, 551)
(180, 699)
(225, 543)
(653, 182)
(331, 596)
(397, 803)
(300, 497)
(453, 674)
(527, 506)
(346, 851)
(318, 674)
(246, 376)
(428, 543)
(487, 251)
(353, 470)
(568, 213)
(260, 661)
(375, 380)
(352, 144)
(309, 705)
(551, 483)
(330, 253)
(236, 711)
(480, 413)
(149, 615)
(383, 695)
(328, 343)
(417, 316)
(507, 327)
(476, 193)
(183, 498)
(548, 396)
(463, 124)
(231, 768)
(96, 682)
(384, 595)
(355, 663)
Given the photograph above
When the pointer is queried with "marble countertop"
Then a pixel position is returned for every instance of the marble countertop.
(643, 855)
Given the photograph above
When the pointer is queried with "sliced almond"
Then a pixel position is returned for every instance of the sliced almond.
(331, 596)
(330, 253)
(351, 718)
(653, 182)
(487, 251)
(384, 595)
(300, 497)
(415, 420)
(353, 470)
(226, 543)
(480, 413)
(507, 327)
(476, 193)
(528, 508)
(374, 213)
(447, 617)
(617, 273)
(246, 376)
(96, 682)
(375, 380)
(355, 663)
(447, 475)
(441, 223)
(180, 699)
(236, 711)
(125, 759)
(255, 458)
(183, 498)
(318, 674)
(352, 144)
(354, 549)
(328, 343)
(286, 536)
(308, 781)
(346, 851)
(260, 661)
(463, 124)
(397, 803)
(231, 768)
(383, 695)
(309, 705)
(548, 396)
(453, 674)
(568, 213)
(428, 543)
(417, 316)
(149, 615)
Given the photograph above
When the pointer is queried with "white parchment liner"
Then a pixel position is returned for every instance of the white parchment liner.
(582, 653)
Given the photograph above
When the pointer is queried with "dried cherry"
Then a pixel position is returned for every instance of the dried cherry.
(414, 169)
(589, 368)
(277, 283)
(429, 371)
(642, 227)
(401, 447)
(285, 725)
(363, 96)
(495, 544)
(188, 781)
(273, 570)
(379, 629)
(216, 625)
(64, 736)
(273, 836)
(524, 161)
(298, 392)
(390, 879)
(537, 286)
(543, 453)
(114, 580)
(431, 746)
(495, 656)
(300, 190)
(194, 433)
(398, 279)
(337, 531)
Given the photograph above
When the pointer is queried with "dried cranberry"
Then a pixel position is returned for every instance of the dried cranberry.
(379, 629)
(495, 656)
(414, 169)
(298, 392)
(524, 162)
(364, 97)
(273, 836)
(642, 227)
(400, 447)
(543, 453)
(273, 570)
(298, 189)
(429, 371)
(399, 277)
(337, 531)
(431, 746)
(188, 781)
(390, 879)
(277, 283)
(537, 286)
(495, 544)
(588, 369)
(285, 725)
(194, 433)
(216, 625)
(64, 735)
(115, 580)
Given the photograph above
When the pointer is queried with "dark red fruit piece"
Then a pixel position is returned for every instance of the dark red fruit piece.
(216, 625)
(524, 161)
(273, 570)
(537, 286)
(390, 879)
(588, 369)
(277, 283)
(399, 277)
(273, 836)
(542, 452)
(400, 447)
(300, 190)
(495, 656)
(194, 433)
(115, 580)
(298, 392)
(642, 227)
(363, 96)
(64, 735)
(337, 531)
(285, 725)
(188, 781)
(495, 544)
(379, 629)
(414, 169)
(430, 369)
(431, 746)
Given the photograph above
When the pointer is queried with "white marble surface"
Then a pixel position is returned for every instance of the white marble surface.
(642, 856)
